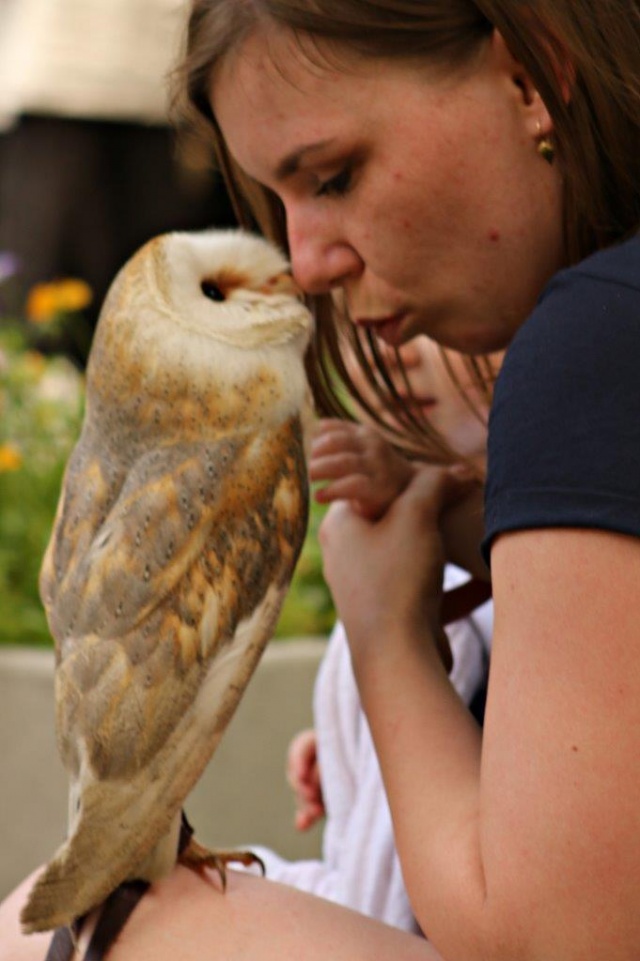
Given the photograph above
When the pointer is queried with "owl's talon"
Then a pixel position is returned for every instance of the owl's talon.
(195, 856)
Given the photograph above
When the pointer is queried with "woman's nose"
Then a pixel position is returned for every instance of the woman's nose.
(320, 258)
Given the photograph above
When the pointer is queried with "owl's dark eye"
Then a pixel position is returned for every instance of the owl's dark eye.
(212, 291)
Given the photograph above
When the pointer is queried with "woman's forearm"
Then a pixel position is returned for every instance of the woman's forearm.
(429, 748)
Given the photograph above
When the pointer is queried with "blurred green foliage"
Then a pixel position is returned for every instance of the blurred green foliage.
(41, 404)
(41, 408)
(308, 608)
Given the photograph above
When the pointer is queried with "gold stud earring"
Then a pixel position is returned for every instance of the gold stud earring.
(545, 147)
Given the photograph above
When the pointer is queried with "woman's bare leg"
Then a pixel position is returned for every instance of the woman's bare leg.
(188, 917)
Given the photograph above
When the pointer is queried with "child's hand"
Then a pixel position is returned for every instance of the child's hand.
(359, 465)
(303, 774)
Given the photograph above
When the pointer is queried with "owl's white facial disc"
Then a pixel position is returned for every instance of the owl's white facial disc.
(230, 286)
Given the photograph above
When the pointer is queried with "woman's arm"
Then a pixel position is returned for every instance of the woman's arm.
(561, 772)
(527, 846)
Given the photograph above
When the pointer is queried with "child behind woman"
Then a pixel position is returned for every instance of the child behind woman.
(333, 769)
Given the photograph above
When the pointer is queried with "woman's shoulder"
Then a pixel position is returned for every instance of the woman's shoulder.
(586, 322)
(564, 432)
(618, 264)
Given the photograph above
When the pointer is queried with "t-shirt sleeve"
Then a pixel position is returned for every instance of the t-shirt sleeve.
(564, 432)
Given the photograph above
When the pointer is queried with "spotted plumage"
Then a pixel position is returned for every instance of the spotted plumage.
(182, 513)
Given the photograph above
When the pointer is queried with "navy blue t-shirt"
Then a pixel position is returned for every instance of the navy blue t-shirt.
(564, 430)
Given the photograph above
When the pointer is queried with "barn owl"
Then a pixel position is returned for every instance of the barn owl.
(183, 509)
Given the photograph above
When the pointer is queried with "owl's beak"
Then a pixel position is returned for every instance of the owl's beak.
(282, 284)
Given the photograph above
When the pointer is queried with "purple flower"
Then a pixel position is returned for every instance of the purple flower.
(9, 265)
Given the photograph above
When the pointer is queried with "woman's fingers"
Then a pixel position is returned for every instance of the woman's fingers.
(386, 575)
(436, 489)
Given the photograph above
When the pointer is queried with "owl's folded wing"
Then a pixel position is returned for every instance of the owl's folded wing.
(189, 550)
(105, 577)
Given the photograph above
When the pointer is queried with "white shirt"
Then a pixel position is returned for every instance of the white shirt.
(360, 867)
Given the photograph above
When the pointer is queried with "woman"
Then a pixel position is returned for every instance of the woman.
(439, 162)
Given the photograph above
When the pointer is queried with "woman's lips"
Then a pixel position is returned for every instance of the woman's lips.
(388, 329)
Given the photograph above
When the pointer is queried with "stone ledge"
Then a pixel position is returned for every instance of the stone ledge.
(242, 798)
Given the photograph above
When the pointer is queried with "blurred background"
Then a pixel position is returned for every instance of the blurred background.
(90, 169)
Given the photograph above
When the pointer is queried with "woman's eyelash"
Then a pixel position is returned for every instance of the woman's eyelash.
(336, 186)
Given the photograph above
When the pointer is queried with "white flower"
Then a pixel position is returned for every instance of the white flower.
(61, 384)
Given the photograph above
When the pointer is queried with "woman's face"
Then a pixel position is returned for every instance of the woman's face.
(423, 198)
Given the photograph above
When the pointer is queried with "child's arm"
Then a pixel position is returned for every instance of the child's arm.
(359, 466)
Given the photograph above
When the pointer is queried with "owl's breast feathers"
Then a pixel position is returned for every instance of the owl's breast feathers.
(141, 604)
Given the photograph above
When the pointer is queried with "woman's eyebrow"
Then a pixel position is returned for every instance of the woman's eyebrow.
(290, 164)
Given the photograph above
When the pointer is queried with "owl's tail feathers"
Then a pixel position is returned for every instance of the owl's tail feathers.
(115, 913)
(115, 840)
(54, 899)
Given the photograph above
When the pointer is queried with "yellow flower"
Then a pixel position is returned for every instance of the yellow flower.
(47, 301)
(40, 306)
(10, 458)
(73, 295)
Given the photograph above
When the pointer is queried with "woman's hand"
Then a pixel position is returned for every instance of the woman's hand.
(386, 575)
(303, 775)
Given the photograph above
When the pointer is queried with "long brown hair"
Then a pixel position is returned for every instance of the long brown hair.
(588, 47)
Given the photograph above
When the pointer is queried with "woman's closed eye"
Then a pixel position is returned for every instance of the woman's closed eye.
(336, 186)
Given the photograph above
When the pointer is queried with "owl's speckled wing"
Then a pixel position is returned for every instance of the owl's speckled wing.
(160, 616)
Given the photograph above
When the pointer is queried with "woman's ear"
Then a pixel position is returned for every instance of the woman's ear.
(536, 116)
(559, 60)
